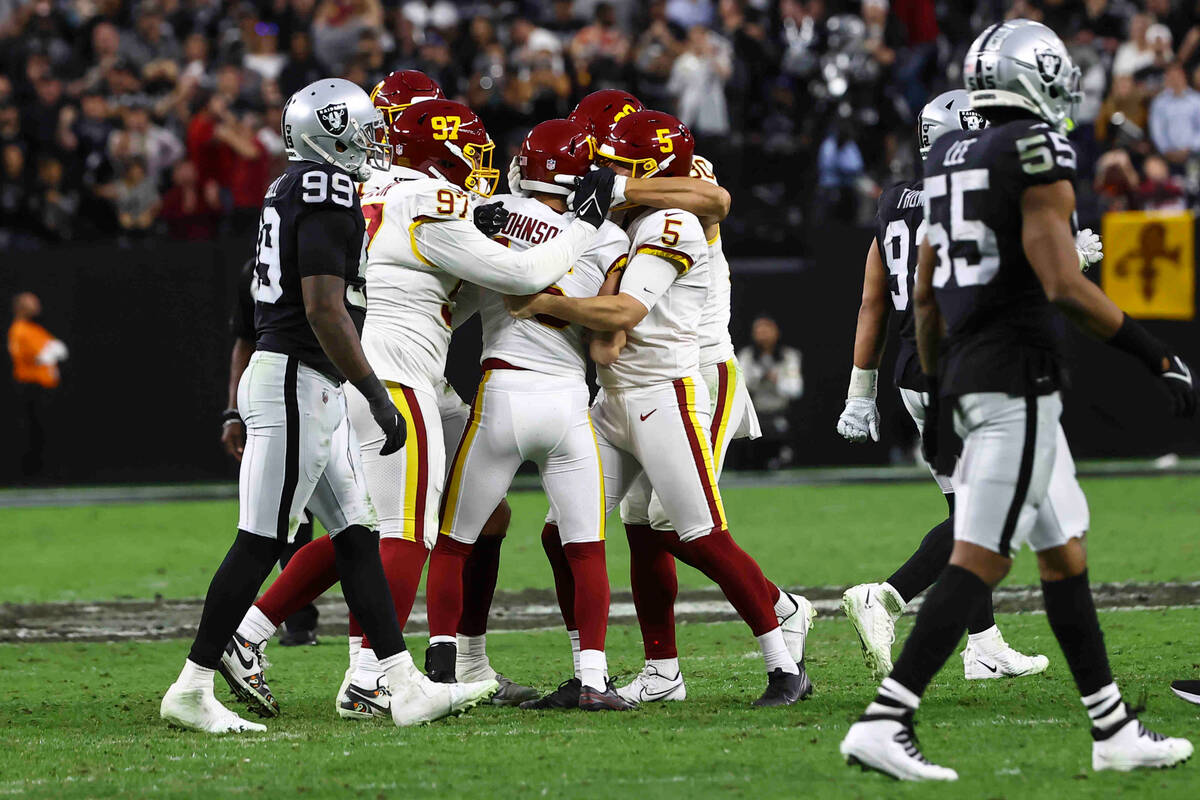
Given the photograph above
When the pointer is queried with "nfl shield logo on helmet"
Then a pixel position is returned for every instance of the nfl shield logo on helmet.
(334, 118)
(1048, 65)
(551, 163)
(971, 120)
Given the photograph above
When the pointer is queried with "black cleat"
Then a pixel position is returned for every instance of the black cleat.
(439, 662)
(1187, 690)
(784, 688)
(608, 700)
(565, 696)
(297, 638)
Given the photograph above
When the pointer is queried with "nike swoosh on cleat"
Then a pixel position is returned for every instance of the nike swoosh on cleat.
(237, 651)
(987, 665)
(644, 416)
(652, 696)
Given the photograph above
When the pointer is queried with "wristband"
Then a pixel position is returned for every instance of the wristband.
(618, 191)
(370, 387)
(863, 383)
(231, 415)
(1137, 341)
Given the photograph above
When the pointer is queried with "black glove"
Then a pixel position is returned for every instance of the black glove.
(593, 196)
(930, 429)
(386, 415)
(491, 218)
(1178, 380)
(1137, 341)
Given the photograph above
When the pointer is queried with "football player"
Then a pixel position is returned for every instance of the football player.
(997, 259)
(649, 415)
(873, 608)
(300, 450)
(532, 405)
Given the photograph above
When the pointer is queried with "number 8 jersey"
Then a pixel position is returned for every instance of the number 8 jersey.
(280, 323)
(1003, 334)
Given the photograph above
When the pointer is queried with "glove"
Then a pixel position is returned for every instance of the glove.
(859, 419)
(386, 415)
(1178, 380)
(1089, 248)
(593, 196)
(618, 193)
(929, 430)
(491, 218)
(514, 179)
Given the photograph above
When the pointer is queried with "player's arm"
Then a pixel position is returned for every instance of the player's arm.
(926, 314)
(604, 347)
(645, 280)
(320, 244)
(233, 431)
(708, 201)
(1046, 212)
(860, 417)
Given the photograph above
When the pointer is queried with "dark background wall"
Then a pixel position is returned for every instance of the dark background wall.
(149, 341)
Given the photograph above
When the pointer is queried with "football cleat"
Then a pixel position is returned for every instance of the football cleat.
(297, 638)
(873, 613)
(784, 688)
(1187, 690)
(199, 710)
(889, 745)
(993, 658)
(650, 686)
(565, 696)
(421, 701)
(796, 625)
(243, 667)
(439, 662)
(357, 702)
(608, 700)
(512, 693)
(1129, 746)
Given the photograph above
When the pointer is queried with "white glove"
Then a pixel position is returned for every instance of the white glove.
(514, 179)
(860, 419)
(1089, 248)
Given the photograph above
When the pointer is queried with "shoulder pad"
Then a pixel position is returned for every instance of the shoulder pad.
(439, 200)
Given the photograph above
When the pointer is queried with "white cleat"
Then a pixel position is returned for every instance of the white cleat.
(341, 694)
(360, 702)
(889, 746)
(199, 710)
(993, 658)
(650, 686)
(1132, 747)
(421, 701)
(796, 625)
(873, 612)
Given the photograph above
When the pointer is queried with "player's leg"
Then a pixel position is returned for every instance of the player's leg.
(300, 627)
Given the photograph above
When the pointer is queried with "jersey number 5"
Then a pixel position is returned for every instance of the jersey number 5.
(971, 235)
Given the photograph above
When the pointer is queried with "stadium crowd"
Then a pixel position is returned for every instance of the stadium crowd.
(147, 118)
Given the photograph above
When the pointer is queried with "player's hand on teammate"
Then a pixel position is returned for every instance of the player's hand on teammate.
(514, 179)
(1177, 377)
(490, 218)
(523, 307)
(859, 420)
(233, 437)
(593, 195)
(1089, 248)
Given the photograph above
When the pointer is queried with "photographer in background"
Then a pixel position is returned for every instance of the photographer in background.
(35, 355)
(775, 381)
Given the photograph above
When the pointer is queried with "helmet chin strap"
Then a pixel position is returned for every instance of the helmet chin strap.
(542, 186)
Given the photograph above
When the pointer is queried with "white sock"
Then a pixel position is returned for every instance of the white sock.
(367, 668)
(194, 676)
(785, 606)
(983, 636)
(775, 652)
(399, 668)
(573, 635)
(472, 651)
(667, 667)
(893, 699)
(443, 640)
(1105, 707)
(593, 669)
(255, 626)
(892, 601)
(355, 646)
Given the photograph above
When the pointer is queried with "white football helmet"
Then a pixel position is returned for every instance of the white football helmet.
(949, 111)
(334, 121)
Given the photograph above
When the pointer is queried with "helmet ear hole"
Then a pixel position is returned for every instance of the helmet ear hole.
(340, 146)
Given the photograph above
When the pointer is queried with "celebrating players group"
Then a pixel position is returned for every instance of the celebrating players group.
(384, 234)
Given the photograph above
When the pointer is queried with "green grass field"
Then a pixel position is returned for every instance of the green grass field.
(80, 720)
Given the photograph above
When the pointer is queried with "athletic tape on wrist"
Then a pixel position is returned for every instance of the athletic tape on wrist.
(863, 383)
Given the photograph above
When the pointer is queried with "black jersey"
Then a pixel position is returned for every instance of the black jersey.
(1003, 335)
(304, 187)
(241, 320)
(899, 228)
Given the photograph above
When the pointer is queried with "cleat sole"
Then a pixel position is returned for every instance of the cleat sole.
(253, 701)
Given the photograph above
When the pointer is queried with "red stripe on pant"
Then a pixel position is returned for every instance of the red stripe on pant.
(403, 563)
(719, 411)
(414, 408)
(697, 454)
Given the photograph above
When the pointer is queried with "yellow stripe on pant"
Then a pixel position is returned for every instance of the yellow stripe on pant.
(600, 470)
(454, 484)
(724, 402)
(689, 387)
(414, 456)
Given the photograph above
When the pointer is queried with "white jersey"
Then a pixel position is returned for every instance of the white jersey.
(422, 245)
(716, 346)
(668, 272)
(547, 344)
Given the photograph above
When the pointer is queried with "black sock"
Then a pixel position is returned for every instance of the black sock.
(366, 589)
(939, 627)
(233, 588)
(1072, 616)
(982, 616)
(926, 564)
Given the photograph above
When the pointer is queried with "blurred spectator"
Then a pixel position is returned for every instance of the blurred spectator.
(1175, 119)
(136, 200)
(775, 381)
(1125, 106)
(262, 52)
(337, 27)
(599, 51)
(1149, 45)
(654, 54)
(14, 199)
(689, 14)
(141, 139)
(839, 165)
(302, 67)
(1116, 181)
(1160, 190)
(698, 82)
(35, 355)
(188, 213)
(53, 205)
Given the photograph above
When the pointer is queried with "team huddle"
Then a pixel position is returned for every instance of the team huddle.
(385, 233)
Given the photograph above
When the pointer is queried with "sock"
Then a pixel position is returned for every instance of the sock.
(564, 581)
(655, 587)
(593, 669)
(366, 590)
(939, 626)
(775, 652)
(367, 669)
(718, 556)
(255, 626)
(591, 593)
(983, 637)
(784, 604)
(926, 564)
(355, 647)
(444, 588)
(983, 617)
(892, 700)
(309, 573)
(1105, 707)
(443, 639)
(472, 656)
(235, 583)
(194, 676)
(573, 635)
(1072, 616)
(479, 585)
(403, 563)
(400, 671)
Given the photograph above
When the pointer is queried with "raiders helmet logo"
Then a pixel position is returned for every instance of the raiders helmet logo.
(551, 163)
(971, 120)
(1048, 65)
(334, 118)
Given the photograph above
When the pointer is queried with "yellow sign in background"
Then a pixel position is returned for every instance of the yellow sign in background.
(1150, 263)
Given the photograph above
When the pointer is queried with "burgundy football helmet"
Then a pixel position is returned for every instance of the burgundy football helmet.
(446, 140)
(650, 143)
(600, 110)
(554, 147)
(402, 88)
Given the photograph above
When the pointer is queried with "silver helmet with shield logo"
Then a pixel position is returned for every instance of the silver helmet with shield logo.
(949, 111)
(334, 121)
(1023, 64)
